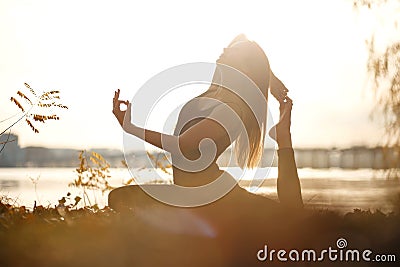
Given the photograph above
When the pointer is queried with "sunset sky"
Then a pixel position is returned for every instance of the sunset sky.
(87, 49)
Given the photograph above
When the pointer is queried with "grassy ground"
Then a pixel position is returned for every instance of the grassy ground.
(102, 237)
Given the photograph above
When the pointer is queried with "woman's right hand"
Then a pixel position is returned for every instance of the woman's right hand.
(117, 111)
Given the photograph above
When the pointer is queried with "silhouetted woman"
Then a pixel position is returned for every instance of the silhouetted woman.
(225, 117)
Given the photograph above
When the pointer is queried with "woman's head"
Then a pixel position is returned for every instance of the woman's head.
(248, 58)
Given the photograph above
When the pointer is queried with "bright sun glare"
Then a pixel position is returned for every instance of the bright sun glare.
(87, 49)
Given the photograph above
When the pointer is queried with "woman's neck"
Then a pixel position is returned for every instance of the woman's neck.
(211, 91)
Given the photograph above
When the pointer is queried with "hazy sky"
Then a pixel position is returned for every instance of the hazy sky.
(87, 49)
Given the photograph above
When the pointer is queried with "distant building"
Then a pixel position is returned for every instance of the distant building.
(362, 157)
(47, 157)
(312, 158)
(12, 155)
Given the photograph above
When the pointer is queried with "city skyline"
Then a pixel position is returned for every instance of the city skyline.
(350, 158)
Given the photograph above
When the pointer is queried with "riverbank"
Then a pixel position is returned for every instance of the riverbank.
(100, 237)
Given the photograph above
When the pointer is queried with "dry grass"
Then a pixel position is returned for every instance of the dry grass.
(101, 237)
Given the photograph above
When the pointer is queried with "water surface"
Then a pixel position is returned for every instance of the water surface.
(338, 189)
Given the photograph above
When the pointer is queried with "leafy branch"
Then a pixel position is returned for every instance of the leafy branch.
(384, 67)
(34, 108)
(38, 108)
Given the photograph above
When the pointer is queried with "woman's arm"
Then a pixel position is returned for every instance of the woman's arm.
(188, 141)
(207, 128)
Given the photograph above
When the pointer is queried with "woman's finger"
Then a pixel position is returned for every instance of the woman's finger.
(116, 96)
(117, 104)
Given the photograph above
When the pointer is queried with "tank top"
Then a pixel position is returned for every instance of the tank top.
(200, 109)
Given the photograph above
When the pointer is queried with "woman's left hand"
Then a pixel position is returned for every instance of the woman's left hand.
(117, 111)
(278, 89)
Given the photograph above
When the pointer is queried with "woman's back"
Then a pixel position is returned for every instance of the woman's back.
(194, 111)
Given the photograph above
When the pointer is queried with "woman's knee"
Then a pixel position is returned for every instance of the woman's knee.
(113, 198)
(116, 198)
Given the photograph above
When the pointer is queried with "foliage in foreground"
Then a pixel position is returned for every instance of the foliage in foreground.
(93, 173)
(91, 236)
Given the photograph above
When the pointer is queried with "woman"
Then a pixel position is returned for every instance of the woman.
(222, 116)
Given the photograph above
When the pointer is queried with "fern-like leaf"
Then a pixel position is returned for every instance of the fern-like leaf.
(31, 125)
(15, 101)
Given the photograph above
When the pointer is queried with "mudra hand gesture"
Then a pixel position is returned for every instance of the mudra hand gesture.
(117, 111)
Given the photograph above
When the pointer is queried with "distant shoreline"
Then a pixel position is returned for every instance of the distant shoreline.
(350, 158)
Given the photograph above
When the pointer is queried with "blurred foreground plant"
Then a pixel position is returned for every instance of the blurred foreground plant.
(92, 174)
(160, 161)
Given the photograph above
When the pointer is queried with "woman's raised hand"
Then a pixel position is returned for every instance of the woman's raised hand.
(278, 89)
(117, 111)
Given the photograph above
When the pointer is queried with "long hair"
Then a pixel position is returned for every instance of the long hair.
(249, 145)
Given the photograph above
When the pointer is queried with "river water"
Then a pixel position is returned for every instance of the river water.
(338, 189)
